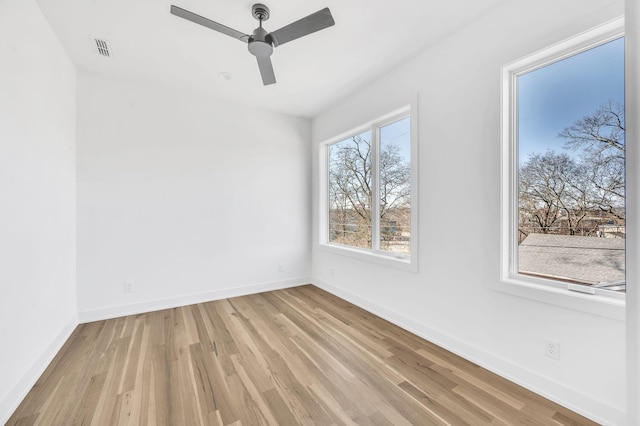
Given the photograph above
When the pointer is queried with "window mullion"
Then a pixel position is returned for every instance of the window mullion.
(325, 203)
(375, 188)
(513, 176)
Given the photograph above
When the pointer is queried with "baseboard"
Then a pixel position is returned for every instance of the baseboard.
(544, 386)
(190, 299)
(12, 400)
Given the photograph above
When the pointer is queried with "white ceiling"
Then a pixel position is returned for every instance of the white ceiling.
(370, 37)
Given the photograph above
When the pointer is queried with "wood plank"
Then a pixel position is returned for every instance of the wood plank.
(287, 357)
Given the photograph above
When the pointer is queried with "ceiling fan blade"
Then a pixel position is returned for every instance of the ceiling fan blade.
(302, 27)
(266, 70)
(201, 20)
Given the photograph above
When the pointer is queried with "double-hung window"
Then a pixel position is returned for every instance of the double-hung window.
(563, 175)
(368, 191)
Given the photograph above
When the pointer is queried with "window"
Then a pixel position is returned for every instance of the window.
(563, 196)
(368, 196)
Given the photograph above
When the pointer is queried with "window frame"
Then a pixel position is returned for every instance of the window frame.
(601, 302)
(374, 254)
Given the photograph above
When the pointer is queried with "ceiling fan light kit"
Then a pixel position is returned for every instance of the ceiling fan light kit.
(261, 42)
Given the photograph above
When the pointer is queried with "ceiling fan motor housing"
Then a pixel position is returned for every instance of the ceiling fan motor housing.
(260, 43)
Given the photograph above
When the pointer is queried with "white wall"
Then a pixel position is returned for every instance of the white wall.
(190, 199)
(449, 300)
(632, 44)
(187, 197)
(37, 198)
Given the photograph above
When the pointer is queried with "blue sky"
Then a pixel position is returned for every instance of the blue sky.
(398, 133)
(554, 97)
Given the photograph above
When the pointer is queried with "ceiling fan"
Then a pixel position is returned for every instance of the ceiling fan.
(261, 43)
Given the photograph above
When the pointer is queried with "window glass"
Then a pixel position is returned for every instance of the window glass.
(571, 169)
(395, 186)
(350, 183)
(368, 190)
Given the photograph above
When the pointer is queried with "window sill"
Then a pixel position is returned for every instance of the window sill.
(603, 303)
(406, 263)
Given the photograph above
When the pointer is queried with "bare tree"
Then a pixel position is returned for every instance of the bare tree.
(601, 139)
(600, 132)
(542, 185)
(395, 192)
(351, 192)
(560, 193)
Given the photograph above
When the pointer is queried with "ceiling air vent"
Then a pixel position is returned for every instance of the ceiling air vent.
(102, 48)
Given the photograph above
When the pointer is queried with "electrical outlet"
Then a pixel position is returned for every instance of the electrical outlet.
(552, 348)
(332, 272)
(281, 268)
(128, 287)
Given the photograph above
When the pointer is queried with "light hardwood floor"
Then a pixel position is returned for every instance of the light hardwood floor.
(287, 357)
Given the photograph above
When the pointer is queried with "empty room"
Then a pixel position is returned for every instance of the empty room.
(321, 212)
